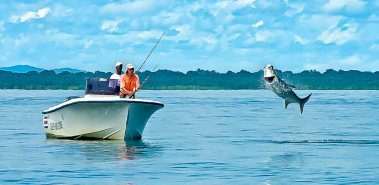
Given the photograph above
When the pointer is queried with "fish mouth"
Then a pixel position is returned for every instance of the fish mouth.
(269, 79)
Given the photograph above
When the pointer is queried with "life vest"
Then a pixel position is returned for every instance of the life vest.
(129, 83)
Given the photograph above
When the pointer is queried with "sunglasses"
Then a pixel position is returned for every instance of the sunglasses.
(131, 68)
(120, 66)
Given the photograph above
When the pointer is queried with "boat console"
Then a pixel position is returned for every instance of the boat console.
(102, 86)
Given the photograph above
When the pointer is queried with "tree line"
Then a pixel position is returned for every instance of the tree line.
(198, 80)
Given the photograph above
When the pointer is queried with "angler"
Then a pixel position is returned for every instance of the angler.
(129, 83)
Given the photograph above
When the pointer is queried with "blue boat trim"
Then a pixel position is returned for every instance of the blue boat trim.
(105, 101)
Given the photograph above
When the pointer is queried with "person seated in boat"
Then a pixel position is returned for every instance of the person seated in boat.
(129, 82)
(114, 80)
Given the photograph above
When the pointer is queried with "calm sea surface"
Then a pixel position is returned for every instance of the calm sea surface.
(202, 137)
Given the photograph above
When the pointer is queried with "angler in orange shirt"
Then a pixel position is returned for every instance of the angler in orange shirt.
(129, 82)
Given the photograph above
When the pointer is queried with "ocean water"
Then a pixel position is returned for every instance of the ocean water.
(202, 137)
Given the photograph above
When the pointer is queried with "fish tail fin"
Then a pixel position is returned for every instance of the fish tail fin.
(303, 101)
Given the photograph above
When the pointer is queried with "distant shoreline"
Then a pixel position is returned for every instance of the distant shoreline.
(197, 80)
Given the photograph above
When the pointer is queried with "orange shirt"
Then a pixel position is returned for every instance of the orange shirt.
(128, 83)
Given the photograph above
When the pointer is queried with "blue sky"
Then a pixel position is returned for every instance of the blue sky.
(213, 35)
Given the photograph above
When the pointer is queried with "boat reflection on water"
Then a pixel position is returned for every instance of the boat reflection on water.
(137, 148)
(106, 150)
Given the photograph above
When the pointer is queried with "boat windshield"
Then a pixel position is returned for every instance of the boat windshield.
(102, 86)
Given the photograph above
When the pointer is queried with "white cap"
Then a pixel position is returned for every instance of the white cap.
(118, 64)
(129, 66)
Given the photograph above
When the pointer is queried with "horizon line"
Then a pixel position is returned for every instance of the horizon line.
(310, 70)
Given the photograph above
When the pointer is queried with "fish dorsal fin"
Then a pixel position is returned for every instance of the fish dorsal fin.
(286, 103)
(291, 86)
(287, 85)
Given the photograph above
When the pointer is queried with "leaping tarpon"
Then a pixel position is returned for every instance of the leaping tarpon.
(283, 90)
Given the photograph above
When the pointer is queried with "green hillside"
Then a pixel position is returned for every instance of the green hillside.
(200, 79)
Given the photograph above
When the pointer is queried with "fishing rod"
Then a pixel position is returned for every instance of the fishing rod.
(147, 77)
(144, 81)
(146, 58)
(150, 52)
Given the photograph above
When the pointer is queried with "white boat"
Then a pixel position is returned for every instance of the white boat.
(99, 115)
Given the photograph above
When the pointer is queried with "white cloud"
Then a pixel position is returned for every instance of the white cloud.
(2, 26)
(230, 6)
(201, 39)
(41, 13)
(373, 17)
(122, 39)
(207, 41)
(185, 32)
(259, 23)
(145, 35)
(211, 42)
(352, 60)
(350, 5)
(318, 21)
(13, 19)
(356, 62)
(134, 37)
(294, 9)
(219, 29)
(249, 39)
(134, 8)
(263, 35)
(318, 67)
(375, 47)
(375, 65)
(135, 23)
(300, 40)
(111, 26)
(166, 18)
(338, 35)
(233, 37)
(242, 51)
(22, 40)
(236, 28)
(243, 3)
(267, 3)
(66, 39)
(59, 10)
(88, 44)
(221, 4)
(222, 11)
(218, 26)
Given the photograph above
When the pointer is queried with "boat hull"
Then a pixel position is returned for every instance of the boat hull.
(99, 119)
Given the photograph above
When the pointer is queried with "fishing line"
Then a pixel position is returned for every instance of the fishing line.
(146, 60)
(150, 52)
